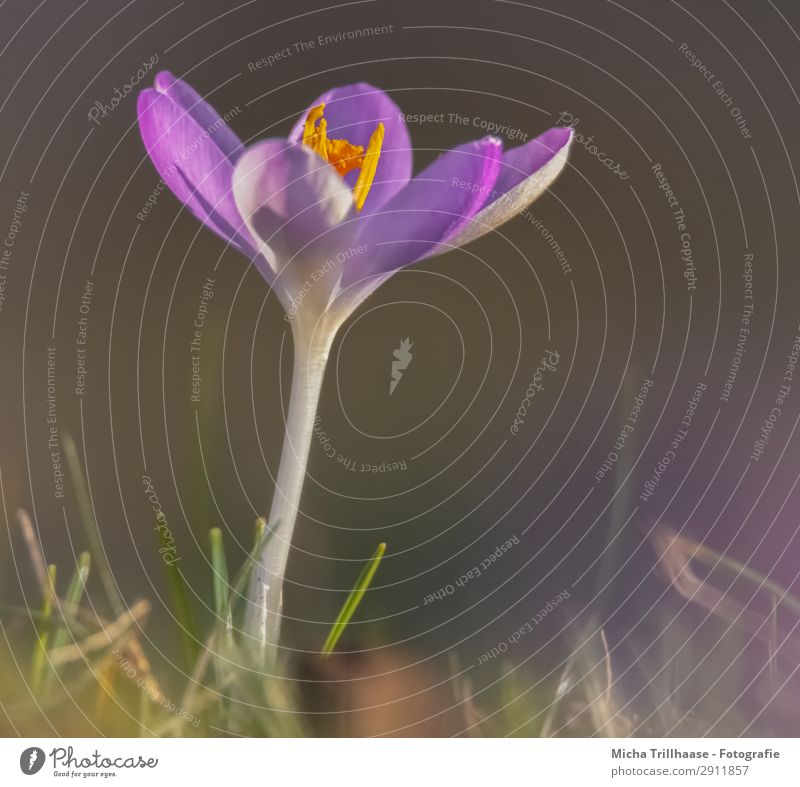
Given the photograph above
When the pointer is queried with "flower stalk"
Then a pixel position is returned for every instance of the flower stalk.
(312, 345)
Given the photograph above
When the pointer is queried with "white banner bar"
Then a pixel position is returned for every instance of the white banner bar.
(400, 762)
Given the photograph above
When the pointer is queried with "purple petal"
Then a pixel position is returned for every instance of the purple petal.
(188, 99)
(435, 205)
(288, 197)
(353, 112)
(194, 152)
(525, 174)
(520, 162)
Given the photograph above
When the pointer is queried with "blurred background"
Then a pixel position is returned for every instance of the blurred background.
(634, 297)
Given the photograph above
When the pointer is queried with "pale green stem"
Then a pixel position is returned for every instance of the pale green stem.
(265, 608)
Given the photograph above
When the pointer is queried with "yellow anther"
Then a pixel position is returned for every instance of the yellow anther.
(342, 155)
(368, 167)
(310, 130)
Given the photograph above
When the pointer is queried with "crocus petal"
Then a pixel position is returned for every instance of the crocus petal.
(435, 205)
(288, 197)
(194, 152)
(188, 99)
(525, 174)
(352, 113)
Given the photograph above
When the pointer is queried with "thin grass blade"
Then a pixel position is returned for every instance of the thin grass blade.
(219, 566)
(71, 602)
(182, 609)
(39, 660)
(353, 600)
(90, 525)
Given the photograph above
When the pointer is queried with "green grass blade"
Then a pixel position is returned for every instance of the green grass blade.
(260, 527)
(353, 600)
(90, 525)
(77, 584)
(236, 588)
(181, 608)
(219, 567)
(39, 660)
(71, 601)
(206, 660)
(262, 537)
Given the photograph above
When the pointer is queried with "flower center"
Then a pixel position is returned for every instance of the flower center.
(342, 155)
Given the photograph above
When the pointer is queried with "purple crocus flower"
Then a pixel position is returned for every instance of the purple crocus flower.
(326, 215)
